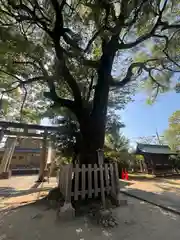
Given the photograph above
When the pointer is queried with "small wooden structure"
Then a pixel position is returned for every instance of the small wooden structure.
(89, 181)
(157, 158)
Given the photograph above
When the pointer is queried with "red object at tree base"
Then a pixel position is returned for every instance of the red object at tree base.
(123, 174)
(126, 175)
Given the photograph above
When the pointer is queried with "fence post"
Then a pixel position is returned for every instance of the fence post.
(95, 181)
(76, 187)
(113, 190)
(107, 177)
(83, 179)
(100, 154)
(89, 181)
(102, 184)
(69, 183)
(116, 173)
(67, 210)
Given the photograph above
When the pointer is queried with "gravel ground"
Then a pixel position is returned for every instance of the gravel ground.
(137, 221)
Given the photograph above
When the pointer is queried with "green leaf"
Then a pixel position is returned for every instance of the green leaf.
(5, 105)
(149, 101)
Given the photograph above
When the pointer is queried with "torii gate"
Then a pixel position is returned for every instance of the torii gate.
(19, 130)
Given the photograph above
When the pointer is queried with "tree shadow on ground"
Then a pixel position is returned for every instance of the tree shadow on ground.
(7, 192)
(169, 189)
(173, 177)
(145, 177)
(173, 181)
(35, 221)
(124, 184)
(166, 197)
(141, 177)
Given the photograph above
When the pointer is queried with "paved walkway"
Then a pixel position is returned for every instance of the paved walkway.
(161, 194)
(137, 221)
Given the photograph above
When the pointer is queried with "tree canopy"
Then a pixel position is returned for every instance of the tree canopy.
(172, 134)
(147, 43)
(86, 55)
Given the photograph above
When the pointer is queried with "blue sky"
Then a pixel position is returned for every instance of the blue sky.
(142, 119)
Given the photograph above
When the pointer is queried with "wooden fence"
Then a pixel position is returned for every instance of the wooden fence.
(89, 181)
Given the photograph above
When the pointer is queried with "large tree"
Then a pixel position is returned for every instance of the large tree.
(82, 53)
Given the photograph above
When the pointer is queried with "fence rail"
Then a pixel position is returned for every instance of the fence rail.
(89, 181)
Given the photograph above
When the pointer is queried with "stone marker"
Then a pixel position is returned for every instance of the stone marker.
(122, 201)
(66, 212)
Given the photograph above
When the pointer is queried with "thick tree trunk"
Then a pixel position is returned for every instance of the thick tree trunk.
(92, 139)
(92, 125)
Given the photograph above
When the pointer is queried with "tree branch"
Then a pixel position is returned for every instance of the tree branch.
(58, 101)
(73, 85)
(52, 94)
(170, 59)
(31, 15)
(138, 41)
(59, 24)
(56, 34)
(32, 63)
(171, 26)
(11, 75)
(137, 10)
(128, 76)
(90, 88)
(72, 43)
(61, 101)
(147, 35)
(82, 59)
(157, 92)
(22, 83)
(67, 75)
(93, 39)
